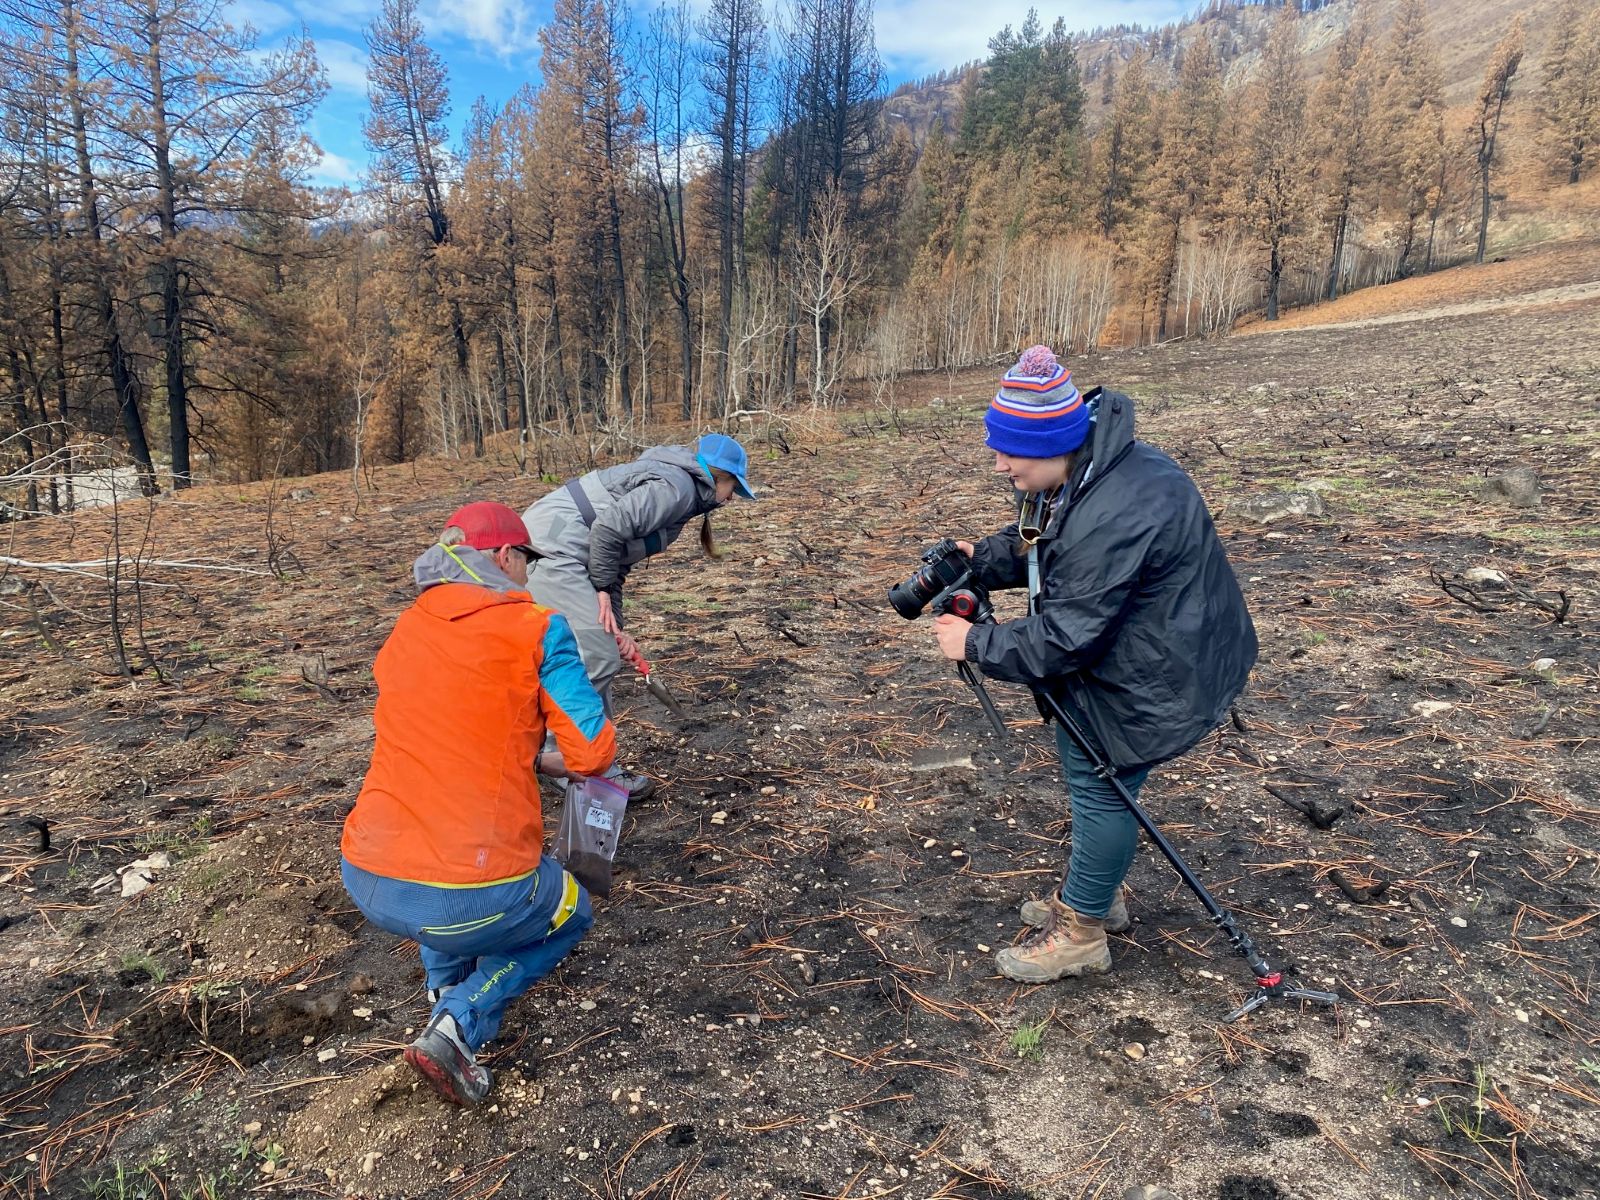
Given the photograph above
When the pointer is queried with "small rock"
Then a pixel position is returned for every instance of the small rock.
(1148, 1191)
(587, 1005)
(1459, 922)
(1134, 1050)
(1274, 506)
(1542, 665)
(363, 1013)
(327, 1055)
(719, 817)
(1518, 487)
(1484, 577)
(369, 1161)
(936, 759)
(769, 790)
(299, 494)
(1431, 708)
(360, 984)
(251, 1127)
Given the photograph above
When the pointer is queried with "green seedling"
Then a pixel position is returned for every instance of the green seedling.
(1027, 1039)
(146, 962)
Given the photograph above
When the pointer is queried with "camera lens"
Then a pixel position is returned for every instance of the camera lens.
(912, 596)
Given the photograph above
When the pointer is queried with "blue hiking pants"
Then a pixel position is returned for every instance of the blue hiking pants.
(487, 944)
(1104, 833)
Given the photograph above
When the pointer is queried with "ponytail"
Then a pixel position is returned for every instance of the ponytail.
(708, 542)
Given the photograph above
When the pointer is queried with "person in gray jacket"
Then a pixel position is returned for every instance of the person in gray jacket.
(1135, 624)
(590, 532)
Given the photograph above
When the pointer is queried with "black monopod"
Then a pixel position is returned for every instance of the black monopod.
(965, 599)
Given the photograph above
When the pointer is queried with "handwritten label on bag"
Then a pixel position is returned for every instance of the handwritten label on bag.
(598, 818)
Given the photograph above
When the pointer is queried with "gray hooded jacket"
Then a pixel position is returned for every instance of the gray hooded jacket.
(639, 509)
(460, 564)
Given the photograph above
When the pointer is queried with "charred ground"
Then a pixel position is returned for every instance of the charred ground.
(790, 991)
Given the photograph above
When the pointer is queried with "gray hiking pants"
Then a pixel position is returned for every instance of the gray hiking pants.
(563, 584)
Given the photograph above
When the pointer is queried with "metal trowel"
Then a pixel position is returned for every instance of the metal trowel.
(654, 685)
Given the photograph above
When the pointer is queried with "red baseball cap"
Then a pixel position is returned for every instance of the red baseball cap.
(489, 526)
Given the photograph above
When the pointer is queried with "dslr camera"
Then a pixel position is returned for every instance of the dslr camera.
(945, 584)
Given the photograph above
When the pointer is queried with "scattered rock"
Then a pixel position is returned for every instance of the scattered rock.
(1542, 665)
(941, 760)
(360, 984)
(1484, 577)
(1274, 506)
(301, 493)
(1134, 1050)
(369, 1161)
(141, 873)
(1148, 1191)
(1431, 708)
(1518, 487)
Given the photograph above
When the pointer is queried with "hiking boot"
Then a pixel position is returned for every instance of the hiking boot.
(1066, 944)
(1037, 912)
(441, 1057)
(638, 787)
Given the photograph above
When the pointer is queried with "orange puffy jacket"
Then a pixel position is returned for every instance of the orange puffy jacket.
(468, 681)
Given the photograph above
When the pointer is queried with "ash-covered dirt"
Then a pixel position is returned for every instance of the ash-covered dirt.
(789, 992)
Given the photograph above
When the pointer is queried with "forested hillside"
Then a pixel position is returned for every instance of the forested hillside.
(692, 215)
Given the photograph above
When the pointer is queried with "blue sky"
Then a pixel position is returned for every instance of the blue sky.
(492, 47)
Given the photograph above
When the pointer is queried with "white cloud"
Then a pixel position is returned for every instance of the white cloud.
(346, 65)
(265, 16)
(346, 14)
(334, 170)
(920, 35)
(501, 27)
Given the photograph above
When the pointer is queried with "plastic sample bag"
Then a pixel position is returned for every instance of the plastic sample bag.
(591, 824)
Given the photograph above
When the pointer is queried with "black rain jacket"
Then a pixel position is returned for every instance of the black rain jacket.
(1142, 627)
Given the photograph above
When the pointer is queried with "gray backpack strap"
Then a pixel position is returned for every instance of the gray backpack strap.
(581, 499)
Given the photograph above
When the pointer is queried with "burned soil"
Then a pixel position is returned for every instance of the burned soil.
(790, 990)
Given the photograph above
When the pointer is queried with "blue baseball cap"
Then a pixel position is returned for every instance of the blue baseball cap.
(722, 452)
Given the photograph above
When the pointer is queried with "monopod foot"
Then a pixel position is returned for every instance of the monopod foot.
(1272, 987)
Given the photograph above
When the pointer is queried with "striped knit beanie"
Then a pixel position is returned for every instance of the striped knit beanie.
(1037, 413)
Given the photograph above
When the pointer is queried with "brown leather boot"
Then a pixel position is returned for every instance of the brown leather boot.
(1067, 944)
(1037, 912)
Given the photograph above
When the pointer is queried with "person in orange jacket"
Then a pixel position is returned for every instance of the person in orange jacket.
(445, 843)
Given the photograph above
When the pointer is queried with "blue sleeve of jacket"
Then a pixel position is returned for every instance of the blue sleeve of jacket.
(1085, 601)
(997, 564)
(571, 707)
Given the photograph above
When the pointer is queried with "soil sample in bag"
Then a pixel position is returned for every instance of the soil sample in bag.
(591, 823)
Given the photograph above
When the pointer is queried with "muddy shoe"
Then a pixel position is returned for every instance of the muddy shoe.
(639, 787)
(441, 1057)
(1037, 912)
(1066, 944)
